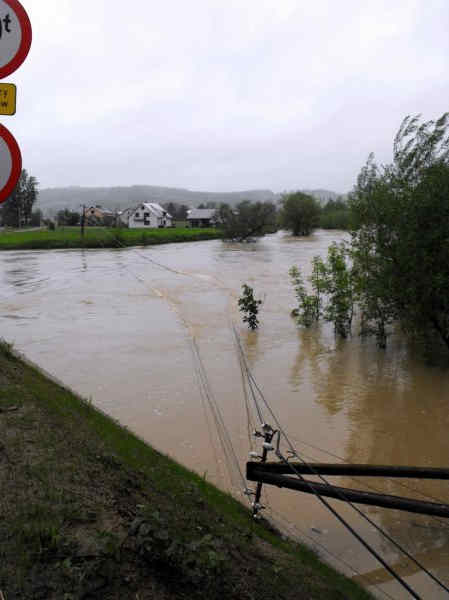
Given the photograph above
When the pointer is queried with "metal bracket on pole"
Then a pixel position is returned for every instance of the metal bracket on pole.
(267, 434)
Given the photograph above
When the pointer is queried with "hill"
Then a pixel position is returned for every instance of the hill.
(51, 200)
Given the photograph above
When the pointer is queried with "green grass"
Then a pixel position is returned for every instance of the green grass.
(101, 237)
(88, 501)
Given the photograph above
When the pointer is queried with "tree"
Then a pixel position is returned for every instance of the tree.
(400, 246)
(396, 267)
(333, 291)
(68, 217)
(249, 306)
(177, 211)
(17, 209)
(36, 218)
(247, 219)
(299, 213)
(335, 214)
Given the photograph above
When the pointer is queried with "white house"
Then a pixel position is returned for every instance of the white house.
(150, 215)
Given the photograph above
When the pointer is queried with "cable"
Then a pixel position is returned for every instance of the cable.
(363, 515)
(399, 483)
(342, 497)
(211, 440)
(229, 450)
(221, 427)
(205, 390)
(337, 558)
(326, 504)
(355, 534)
(244, 364)
(249, 422)
(369, 486)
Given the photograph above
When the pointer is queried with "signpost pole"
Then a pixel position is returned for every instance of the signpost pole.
(15, 43)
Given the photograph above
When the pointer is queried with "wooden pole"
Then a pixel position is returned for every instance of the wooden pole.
(352, 470)
(83, 217)
(347, 494)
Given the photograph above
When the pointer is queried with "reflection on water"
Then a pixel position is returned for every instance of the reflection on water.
(253, 350)
(131, 316)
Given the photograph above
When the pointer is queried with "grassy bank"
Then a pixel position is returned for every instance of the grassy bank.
(90, 511)
(100, 237)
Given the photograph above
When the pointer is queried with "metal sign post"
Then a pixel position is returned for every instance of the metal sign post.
(10, 163)
(15, 43)
(15, 36)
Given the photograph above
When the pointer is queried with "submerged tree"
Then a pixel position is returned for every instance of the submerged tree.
(299, 213)
(310, 306)
(396, 266)
(247, 219)
(400, 246)
(249, 306)
(332, 291)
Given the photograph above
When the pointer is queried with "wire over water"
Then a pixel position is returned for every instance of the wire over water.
(342, 497)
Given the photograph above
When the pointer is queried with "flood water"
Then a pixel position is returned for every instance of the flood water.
(117, 326)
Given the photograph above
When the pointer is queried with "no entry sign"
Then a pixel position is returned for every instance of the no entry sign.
(10, 163)
(15, 36)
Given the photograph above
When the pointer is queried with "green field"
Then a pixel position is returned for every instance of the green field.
(100, 237)
(92, 512)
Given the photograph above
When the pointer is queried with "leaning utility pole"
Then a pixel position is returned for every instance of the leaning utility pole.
(83, 216)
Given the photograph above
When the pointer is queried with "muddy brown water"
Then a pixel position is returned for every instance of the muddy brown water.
(117, 326)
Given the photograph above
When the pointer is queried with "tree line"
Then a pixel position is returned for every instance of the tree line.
(394, 271)
(297, 212)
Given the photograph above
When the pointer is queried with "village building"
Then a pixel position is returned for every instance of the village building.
(150, 215)
(202, 217)
(97, 215)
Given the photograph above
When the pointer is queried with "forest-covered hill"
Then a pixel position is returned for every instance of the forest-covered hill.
(51, 200)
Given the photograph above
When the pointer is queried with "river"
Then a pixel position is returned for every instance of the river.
(117, 326)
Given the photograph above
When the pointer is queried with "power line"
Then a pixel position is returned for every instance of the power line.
(205, 390)
(336, 514)
(399, 483)
(230, 453)
(334, 556)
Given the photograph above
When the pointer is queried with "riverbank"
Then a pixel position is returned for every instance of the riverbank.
(90, 511)
(101, 237)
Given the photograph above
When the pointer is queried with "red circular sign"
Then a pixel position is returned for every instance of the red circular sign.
(10, 163)
(15, 36)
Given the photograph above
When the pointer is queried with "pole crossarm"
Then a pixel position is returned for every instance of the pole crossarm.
(255, 472)
(352, 470)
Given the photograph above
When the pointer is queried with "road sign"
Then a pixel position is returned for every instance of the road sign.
(15, 36)
(8, 92)
(10, 163)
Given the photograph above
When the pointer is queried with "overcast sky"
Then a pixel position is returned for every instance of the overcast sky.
(224, 95)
